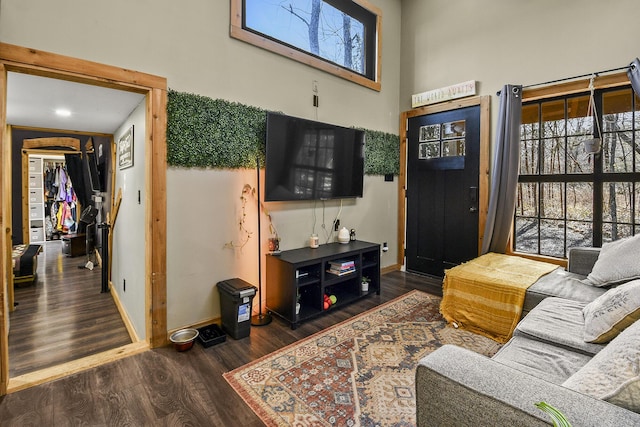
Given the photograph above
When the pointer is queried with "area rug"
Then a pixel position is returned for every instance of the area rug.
(357, 373)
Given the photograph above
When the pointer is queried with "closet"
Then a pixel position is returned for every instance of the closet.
(53, 204)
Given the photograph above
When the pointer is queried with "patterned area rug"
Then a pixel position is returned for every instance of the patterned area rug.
(357, 373)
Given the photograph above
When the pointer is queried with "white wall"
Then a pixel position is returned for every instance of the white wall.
(128, 251)
(189, 44)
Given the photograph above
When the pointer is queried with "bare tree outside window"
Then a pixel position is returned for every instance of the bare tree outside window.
(566, 196)
(314, 26)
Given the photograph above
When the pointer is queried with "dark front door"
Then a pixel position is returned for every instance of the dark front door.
(443, 152)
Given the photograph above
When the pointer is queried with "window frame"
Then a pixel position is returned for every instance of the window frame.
(562, 91)
(238, 32)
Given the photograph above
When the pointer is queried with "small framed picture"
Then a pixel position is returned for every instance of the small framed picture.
(125, 149)
(429, 133)
(429, 150)
(454, 147)
(454, 129)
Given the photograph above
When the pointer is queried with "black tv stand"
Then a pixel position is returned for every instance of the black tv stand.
(302, 276)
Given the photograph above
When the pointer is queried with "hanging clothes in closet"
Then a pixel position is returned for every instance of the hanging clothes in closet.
(61, 206)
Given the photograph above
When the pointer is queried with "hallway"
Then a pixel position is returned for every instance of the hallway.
(63, 316)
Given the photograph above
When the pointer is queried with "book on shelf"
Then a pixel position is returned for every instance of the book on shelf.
(339, 272)
(342, 264)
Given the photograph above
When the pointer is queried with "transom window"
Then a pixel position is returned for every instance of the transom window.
(566, 196)
(340, 37)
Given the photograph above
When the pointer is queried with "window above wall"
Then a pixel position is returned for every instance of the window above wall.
(335, 36)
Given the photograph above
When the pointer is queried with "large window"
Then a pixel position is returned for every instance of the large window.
(567, 197)
(340, 37)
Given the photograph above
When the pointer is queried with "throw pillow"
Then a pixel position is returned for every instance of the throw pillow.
(617, 262)
(610, 313)
(612, 374)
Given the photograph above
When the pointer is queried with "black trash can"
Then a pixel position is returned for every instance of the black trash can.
(236, 297)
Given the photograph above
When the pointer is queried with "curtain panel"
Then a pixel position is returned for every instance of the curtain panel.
(504, 174)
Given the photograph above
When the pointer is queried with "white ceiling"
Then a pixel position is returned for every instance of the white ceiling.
(33, 100)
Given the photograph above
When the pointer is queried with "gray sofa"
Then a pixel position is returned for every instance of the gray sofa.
(547, 359)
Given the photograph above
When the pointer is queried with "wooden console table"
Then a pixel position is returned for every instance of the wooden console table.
(302, 275)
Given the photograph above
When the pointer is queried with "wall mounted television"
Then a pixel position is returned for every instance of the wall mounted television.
(309, 160)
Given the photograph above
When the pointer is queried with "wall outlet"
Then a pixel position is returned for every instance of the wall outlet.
(124, 285)
(336, 225)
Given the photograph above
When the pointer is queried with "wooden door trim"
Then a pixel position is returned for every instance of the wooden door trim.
(483, 180)
(32, 61)
(6, 271)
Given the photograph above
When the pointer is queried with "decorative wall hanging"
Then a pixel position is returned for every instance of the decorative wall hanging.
(125, 149)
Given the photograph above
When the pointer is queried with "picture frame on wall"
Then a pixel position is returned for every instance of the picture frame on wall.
(429, 133)
(125, 149)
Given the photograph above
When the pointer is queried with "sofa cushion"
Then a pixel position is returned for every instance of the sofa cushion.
(617, 262)
(563, 284)
(611, 313)
(558, 321)
(581, 260)
(614, 373)
(540, 359)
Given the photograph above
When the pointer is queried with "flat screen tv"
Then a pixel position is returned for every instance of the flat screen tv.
(309, 160)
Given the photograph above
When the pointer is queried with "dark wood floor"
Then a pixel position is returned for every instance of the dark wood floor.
(63, 316)
(165, 387)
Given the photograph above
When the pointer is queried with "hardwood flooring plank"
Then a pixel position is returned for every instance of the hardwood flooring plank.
(170, 393)
(63, 316)
(76, 403)
(128, 407)
(28, 407)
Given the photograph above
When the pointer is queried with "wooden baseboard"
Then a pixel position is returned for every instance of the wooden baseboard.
(390, 268)
(123, 314)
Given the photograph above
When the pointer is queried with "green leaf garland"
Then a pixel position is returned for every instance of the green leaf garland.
(212, 133)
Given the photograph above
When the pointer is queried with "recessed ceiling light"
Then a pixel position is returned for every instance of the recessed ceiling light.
(63, 112)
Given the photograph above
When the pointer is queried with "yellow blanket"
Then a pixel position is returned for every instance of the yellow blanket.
(486, 294)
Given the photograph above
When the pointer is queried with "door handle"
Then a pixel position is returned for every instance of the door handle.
(473, 199)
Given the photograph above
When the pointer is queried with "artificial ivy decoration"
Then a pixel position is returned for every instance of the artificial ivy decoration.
(382, 153)
(213, 133)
